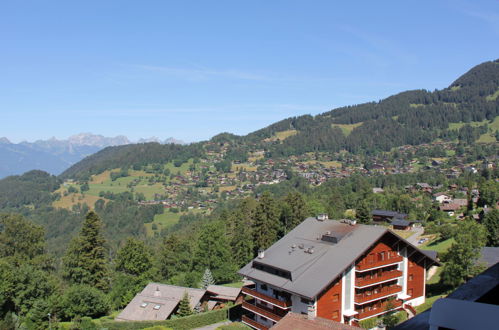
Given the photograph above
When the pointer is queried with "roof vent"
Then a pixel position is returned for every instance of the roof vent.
(301, 246)
(261, 254)
(330, 238)
(322, 217)
(156, 292)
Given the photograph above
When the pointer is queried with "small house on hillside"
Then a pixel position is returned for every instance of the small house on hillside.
(401, 224)
(442, 197)
(383, 215)
(160, 301)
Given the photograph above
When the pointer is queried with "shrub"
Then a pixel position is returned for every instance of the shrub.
(82, 300)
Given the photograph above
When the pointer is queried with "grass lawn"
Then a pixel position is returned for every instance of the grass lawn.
(403, 233)
(493, 97)
(67, 202)
(244, 166)
(227, 188)
(183, 168)
(234, 285)
(455, 126)
(347, 128)
(167, 218)
(428, 303)
(233, 326)
(281, 135)
(438, 245)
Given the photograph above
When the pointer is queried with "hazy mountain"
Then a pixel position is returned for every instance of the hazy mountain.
(54, 155)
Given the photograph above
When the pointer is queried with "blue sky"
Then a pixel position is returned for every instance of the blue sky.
(192, 69)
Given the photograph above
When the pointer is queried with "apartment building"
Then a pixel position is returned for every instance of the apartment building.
(337, 270)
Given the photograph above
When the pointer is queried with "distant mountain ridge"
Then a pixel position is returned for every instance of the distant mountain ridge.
(408, 118)
(54, 155)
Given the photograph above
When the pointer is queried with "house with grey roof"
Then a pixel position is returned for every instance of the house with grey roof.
(336, 270)
(158, 302)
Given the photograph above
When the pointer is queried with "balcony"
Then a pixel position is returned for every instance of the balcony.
(363, 282)
(273, 301)
(378, 263)
(252, 323)
(379, 310)
(274, 315)
(384, 292)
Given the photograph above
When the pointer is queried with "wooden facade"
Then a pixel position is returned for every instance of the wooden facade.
(329, 303)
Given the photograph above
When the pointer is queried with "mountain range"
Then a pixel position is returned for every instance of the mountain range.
(465, 112)
(54, 155)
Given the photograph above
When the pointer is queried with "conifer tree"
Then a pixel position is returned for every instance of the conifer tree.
(86, 260)
(296, 211)
(184, 307)
(207, 278)
(134, 258)
(266, 225)
(213, 252)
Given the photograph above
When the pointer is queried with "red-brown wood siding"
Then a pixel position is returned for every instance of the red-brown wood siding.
(326, 305)
(372, 257)
(416, 271)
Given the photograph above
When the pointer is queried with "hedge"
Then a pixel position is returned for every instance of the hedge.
(188, 322)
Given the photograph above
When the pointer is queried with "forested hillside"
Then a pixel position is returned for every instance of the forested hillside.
(408, 118)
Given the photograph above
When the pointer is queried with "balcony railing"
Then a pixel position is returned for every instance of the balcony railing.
(363, 282)
(263, 311)
(253, 323)
(279, 303)
(381, 309)
(386, 291)
(377, 263)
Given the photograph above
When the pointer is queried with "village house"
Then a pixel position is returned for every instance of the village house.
(387, 216)
(442, 197)
(160, 301)
(336, 270)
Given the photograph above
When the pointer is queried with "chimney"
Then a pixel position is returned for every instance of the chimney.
(157, 293)
(261, 254)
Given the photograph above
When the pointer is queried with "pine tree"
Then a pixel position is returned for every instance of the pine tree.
(296, 211)
(184, 307)
(241, 240)
(207, 278)
(86, 260)
(213, 252)
(175, 257)
(266, 225)
(134, 258)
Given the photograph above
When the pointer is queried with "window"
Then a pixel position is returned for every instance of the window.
(336, 297)
(370, 258)
(336, 314)
(263, 318)
(382, 256)
(411, 264)
(411, 277)
(410, 292)
(144, 305)
(263, 287)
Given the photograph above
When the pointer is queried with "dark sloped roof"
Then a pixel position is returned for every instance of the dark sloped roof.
(400, 222)
(489, 256)
(385, 213)
(311, 273)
